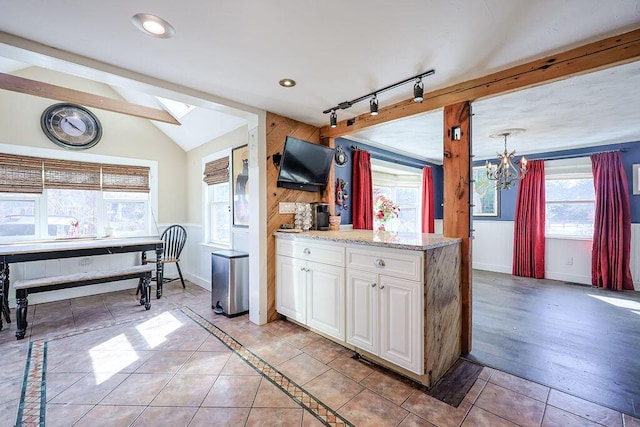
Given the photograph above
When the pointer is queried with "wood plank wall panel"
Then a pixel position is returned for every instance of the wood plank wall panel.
(457, 206)
(278, 128)
(442, 313)
(330, 192)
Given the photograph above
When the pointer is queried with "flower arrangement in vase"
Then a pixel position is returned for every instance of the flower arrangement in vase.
(384, 209)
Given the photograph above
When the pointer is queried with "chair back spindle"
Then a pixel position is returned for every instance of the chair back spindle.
(174, 238)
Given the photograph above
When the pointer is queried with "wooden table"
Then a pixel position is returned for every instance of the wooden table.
(70, 248)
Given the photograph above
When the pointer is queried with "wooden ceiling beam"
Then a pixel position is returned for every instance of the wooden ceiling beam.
(46, 90)
(620, 49)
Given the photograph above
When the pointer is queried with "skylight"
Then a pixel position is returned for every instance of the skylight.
(176, 108)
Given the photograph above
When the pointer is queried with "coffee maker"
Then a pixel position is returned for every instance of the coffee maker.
(320, 216)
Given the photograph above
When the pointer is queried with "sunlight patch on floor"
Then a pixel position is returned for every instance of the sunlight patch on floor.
(106, 362)
(634, 306)
(156, 329)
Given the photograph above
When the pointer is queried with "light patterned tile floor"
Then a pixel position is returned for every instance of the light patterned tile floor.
(109, 362)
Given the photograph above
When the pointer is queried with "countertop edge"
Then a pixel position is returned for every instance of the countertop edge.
(447, 241)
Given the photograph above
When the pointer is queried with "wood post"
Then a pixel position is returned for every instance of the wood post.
(457, 206)
(329, 195)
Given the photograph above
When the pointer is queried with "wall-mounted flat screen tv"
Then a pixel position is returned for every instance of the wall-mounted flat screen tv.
(304, 165)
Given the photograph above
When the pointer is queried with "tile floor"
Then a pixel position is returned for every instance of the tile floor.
(106, 361)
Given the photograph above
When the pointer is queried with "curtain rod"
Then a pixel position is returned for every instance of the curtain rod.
(575, 156)
(393, 159)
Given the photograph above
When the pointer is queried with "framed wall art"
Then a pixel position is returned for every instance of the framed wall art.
(486, 197)
(240, 185)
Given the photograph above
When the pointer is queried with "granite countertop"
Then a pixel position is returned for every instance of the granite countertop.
(388, 239)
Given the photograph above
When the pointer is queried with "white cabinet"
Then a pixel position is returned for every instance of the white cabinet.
(362, 310)
(325, 299)
(291, 295)
(400, 317)
(384, 312)
(310, 285)
(401, 307)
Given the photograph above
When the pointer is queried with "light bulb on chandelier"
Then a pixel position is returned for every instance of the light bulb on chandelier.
(505, 173)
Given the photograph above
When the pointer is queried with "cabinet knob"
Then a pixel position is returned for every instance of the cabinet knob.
(382, 287)
(373, 285)
(379, 263)
(306, 251)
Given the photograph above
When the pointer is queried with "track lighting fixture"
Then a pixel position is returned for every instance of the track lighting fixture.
(418, 96)
(418, 91)
(373, 105)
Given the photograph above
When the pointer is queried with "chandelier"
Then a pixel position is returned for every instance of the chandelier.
(505, 173)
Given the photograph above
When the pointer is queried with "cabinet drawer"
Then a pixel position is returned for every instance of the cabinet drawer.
(402, 264)
(318, 252)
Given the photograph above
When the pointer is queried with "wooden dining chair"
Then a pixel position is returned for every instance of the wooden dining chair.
(174, 238)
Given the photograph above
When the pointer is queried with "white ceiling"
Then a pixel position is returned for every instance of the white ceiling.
(339, 50)
(593, 109)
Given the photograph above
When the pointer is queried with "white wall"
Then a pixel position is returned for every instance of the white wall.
(123, 136)
(567, 260)
(174, 173)
(197, 254)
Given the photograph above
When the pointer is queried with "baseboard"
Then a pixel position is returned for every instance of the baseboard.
(492, 267)
(568, 278)
(197, 280)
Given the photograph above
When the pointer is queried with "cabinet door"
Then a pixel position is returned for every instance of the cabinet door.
(401, 322)
(325, 299)
(291, 296)
(362, 310)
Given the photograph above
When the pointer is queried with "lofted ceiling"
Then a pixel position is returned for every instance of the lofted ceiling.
(337, 51)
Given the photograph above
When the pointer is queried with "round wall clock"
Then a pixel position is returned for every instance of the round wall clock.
(71, 126)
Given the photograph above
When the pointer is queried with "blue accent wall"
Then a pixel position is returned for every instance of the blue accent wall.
(630, 156)
(345, 172)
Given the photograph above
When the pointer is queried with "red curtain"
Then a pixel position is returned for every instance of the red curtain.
(362, 191)
(610, 254)
(428, 215)
(528, 229)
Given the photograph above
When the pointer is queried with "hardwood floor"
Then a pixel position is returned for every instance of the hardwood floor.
(574, 338)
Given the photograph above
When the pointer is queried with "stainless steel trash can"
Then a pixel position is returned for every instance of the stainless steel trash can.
(230, 282)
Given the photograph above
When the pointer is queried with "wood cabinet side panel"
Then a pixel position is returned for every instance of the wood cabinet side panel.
(442, 322)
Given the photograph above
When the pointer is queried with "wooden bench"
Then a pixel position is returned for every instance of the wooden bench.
(44, 284)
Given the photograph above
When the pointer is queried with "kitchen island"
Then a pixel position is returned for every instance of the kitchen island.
(392, 297)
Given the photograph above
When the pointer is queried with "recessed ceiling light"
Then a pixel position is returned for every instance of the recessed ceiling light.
(287, 83)
(153, 25)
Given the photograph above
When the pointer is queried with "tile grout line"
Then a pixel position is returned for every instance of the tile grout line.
(319, 410)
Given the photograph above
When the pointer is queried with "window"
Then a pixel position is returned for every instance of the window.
(72, 213)
(125, 212)
(62, 198)
(218, 197)
(18, 213)
(570, 198)
(219, 213)
(402, 186)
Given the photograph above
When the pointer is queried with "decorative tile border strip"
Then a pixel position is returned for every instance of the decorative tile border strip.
(322, 412)
(33, 398)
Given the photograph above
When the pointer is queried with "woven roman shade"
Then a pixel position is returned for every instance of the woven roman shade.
(68, 174)
(20, 174)
(125, 178)
(216, 171)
